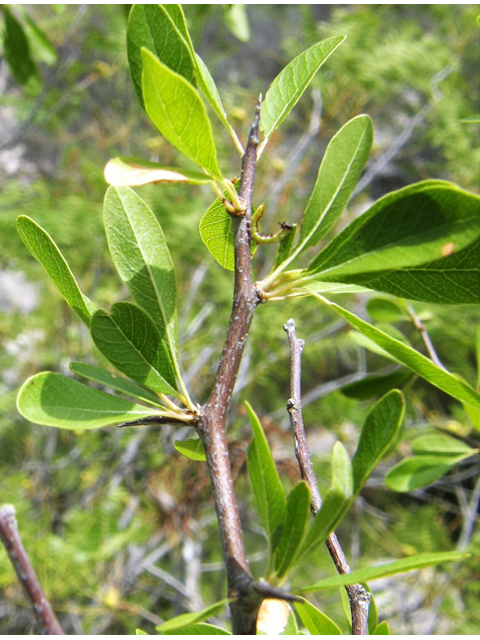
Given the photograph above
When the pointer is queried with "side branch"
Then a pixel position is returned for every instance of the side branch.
(358, 596)
(25, 572)
(212, 420)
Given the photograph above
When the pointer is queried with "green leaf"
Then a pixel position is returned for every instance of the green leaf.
(175, 108)
(292, 628)
(315, 621)
(420, 242)
(336, 503)
(134, 172)
(192, 449)
(57, 401)
(407, 356)
(382, 630)
(379, 431)
(338, 175)
(139, 632)
(153, 27)
(187, 619)
(284, 247)
(142, 259)
(267, 486)
(372, 614)
(440, 445)
(384, 310)
(376, 385)
(199, 629)
(114, 381)
(46, 252)
(129, 339)
(414, 473)
(293, 528)
(289, 85)
(391, 568)
(236, 21)
(216, 231)
(16, 51)
(41, 45)
(331, 288)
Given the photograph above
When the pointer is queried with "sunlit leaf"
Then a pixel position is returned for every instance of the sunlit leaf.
(273, 617)
(216, 231)
(198, 629)
(335, 504)
(142, 258)
(382, 630)
(175, 108)
(153, 27)
(391, 568)
(412, 359)
(46, 252)
(192, 449)
(379, 431)
(338, 175)
(236, 20)
(187, 619)
(420, 242)
(57, 401)
(267, 486)
(293, 526)
(289, 85)
(316, 622)
(134, 172)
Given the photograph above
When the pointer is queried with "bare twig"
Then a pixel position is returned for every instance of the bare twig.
(26, 575)
(358, 596)
(425, 337)
(212, 418)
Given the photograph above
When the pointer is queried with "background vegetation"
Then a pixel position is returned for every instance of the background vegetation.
(120, 527)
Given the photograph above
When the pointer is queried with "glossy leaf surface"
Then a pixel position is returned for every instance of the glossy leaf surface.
(267, 486)
(289, 85)
(134, 172)
(114, 381)
(391, 568)
(338, 175)
(412, 359)
(57, 401)
(316, 622)
(46, 252)
(175, 108)
(142, 258)
(132, 343)
(379, 431)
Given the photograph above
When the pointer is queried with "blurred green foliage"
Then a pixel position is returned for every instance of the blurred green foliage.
(92, 507)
